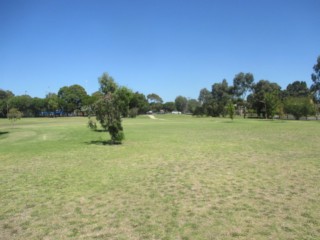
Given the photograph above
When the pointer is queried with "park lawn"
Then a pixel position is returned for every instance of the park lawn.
(174, 177)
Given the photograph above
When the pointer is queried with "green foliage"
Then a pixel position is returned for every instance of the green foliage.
(231, 110)
(140, 102)
(124, 96)
(257, 99)
(272, 103)
(133, 112)
(315, 88)
(52, 101)
(109, 115)
(192, 105)
(4, 102)
(297, 89)
(181, 103)
(205, 96)
(242, 83)
(110, 106)
(72, 98)
(107, 84)
(154, 98)
(169, 106)
(23, 103)
(299, 106)
(92, 124)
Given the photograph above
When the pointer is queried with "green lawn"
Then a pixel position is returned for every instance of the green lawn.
(175, 177)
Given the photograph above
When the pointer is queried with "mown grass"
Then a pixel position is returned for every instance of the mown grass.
(176, 177)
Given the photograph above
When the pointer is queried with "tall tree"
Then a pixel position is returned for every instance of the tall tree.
(181, 103)
(140, 102)
(316, 80)
(192, 105)
(72, 97)
(257, 99)
(205, 96)
(221, 94)
(4, 102)
(242, 83)
(155, 102)
(124, 97)
(109, 107)
(272, 103)
(297, 89)
(154, 98)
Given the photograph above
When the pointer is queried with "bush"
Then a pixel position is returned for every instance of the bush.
(92, 125)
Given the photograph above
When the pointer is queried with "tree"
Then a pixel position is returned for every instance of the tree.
(154, 98)
(155, 102)
(52, 101)
(181, 103)
(221, 94)
(297, 89)
(299, 106)
(231, 110)
(205, 96)
(108, 113)
(257, 99)
(22, 103)
(4, 102)
(315, 88)
(242, 83)
(38, 105)
(72, 98)
(272, 103)
(107, 84)
(205, 100)
(124, 97)
(140, 102)
(108, 109)
(13, 115)
(169, 106)
(192, 105)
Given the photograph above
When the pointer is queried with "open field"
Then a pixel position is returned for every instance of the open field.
(176, 177)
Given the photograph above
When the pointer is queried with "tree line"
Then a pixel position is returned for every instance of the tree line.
(263, 99)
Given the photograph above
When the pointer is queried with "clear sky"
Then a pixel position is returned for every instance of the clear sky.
(168, 47)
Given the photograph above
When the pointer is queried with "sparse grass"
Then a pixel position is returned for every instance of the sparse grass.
(176, 177)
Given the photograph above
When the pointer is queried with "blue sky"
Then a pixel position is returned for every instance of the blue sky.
(168, 47)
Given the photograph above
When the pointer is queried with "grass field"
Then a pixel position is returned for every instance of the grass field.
(176, 177)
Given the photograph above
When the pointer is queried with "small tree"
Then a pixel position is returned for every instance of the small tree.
(272, 103)
(231, 110)
(13, 115)
(109, 115)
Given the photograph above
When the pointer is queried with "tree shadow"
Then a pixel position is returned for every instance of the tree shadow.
(2, 133)
(100, 130)
(102, 142)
